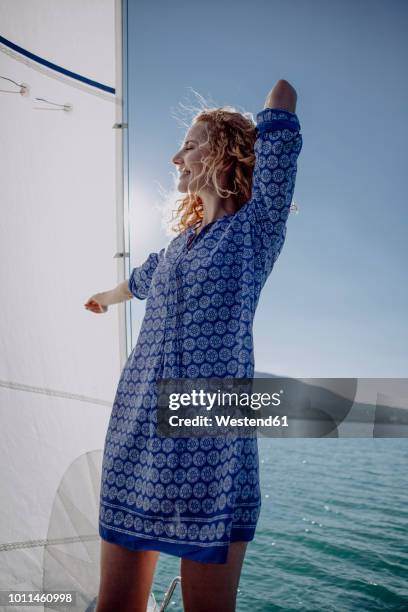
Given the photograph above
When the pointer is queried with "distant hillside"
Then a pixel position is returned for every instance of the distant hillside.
(362, 412)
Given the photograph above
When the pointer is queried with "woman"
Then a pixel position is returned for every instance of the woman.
(196, 498)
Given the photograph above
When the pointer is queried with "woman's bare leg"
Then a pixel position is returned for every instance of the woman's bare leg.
(126, 578)
(212, 587)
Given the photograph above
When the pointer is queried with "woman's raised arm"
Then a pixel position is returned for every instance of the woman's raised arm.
(277, 147)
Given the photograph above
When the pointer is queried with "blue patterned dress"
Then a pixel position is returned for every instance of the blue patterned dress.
(191, 497)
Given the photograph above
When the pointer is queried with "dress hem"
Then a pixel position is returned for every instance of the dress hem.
(216, 554)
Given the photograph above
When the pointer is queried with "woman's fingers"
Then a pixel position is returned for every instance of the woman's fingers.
(94, 307)
(91, 302)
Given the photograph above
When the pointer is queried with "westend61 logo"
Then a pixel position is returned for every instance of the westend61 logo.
(190, 407)
(207, 400)
(282, 407)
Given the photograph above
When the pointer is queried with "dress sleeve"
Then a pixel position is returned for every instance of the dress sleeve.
(141, 277)
(277, 147)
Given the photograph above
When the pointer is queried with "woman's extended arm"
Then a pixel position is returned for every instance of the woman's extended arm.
(137, 285)
(100, 301)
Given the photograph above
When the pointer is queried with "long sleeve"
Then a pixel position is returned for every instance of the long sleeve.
(277, 148)
(141, 277)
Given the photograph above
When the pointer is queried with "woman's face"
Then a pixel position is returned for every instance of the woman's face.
(188, 158)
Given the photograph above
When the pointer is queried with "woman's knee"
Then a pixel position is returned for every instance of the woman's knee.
(212, 587)
(126, 578)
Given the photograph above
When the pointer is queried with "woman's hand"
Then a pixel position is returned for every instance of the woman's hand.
(283, 96)
(96, 304)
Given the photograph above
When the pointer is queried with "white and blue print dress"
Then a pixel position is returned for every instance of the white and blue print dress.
(191, 497)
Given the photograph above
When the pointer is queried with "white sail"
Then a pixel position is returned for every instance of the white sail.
(60, 229)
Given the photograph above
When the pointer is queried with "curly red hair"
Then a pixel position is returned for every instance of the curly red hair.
(232, 138)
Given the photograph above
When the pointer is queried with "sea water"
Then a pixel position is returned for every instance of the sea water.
(333, 530)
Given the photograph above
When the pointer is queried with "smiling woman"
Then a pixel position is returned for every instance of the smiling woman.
(198, 498)
(216, 167)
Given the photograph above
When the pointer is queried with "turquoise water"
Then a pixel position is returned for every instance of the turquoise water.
(333, 531)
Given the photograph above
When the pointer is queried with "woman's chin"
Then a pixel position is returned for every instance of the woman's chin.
(183, 186)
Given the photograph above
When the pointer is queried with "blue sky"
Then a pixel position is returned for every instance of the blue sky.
(335, 304)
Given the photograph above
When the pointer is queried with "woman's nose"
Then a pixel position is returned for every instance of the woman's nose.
(176, 159)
